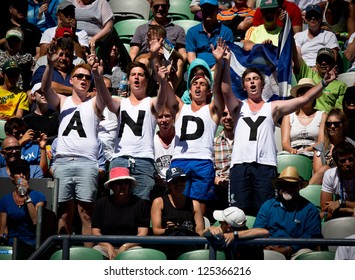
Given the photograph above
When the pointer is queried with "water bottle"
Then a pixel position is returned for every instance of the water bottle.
(123, 85)
(21, 188)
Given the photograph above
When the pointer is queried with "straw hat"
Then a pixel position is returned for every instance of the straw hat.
(303, 83)
(289, 174)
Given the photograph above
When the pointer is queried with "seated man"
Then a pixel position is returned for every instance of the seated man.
(289, 214)
(18, 217)
(338, 183)
(120, 213)
(11, 150)
(269, 31)
(232, 227)
(333, 92)
(14, 101)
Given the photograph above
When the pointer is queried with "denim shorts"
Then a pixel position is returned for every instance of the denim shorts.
(142, 169)
(78, 179)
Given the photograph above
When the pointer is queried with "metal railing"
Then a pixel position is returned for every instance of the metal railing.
(68, 240)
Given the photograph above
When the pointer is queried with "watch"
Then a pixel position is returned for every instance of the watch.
(28, 200)
(236, 235)
(342, 203)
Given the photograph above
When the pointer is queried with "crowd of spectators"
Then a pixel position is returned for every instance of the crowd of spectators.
(176, 141)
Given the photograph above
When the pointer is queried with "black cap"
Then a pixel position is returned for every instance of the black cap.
(174, 172)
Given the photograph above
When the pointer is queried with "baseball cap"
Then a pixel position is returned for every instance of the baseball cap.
(64, 31)
(10, 65)
(14, 33)
(174, 172)
(36, 87)
(268, 4)
(63, 5)
(314, 9)
(211, 2)
(232, 216)
(325, 52)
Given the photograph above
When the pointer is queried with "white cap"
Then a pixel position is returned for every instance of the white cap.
(232, 216)
(36, 87)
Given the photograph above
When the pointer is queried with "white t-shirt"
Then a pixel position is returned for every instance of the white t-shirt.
(310, 46)
(49, 34)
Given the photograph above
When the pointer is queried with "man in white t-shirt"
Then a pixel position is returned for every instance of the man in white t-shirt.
(66, 18)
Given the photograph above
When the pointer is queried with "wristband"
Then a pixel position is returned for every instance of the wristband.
(28, 200)
(324, 84)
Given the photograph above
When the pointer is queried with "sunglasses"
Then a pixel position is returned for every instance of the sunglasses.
(225, 114)
(163, 6)
(336, 124)
(81, 76)
(12, 148)
(178, 180)
(343, 160)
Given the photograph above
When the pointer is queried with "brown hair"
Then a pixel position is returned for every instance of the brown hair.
(82, 65)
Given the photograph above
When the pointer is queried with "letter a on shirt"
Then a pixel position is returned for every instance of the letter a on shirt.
(75, 124)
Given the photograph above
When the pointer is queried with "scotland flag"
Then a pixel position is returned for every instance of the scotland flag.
(274, 62)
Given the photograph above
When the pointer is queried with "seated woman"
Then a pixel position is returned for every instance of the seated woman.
(18, 210)
(121, 213)
(335, 131)
(301, 130)
(175, 214)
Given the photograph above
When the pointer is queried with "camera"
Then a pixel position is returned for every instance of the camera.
(36, 134)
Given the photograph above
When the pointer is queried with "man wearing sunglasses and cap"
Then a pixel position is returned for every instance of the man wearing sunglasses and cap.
(339, 183)
(289, 215)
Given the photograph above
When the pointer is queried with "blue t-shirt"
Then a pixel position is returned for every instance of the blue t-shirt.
(57, 77)
(19, 223)
(198, 41)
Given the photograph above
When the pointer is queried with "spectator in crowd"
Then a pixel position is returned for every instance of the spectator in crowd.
(174, 214)
(95, 17)
(333, 92)
(302, 4)
(238, 18)
(223, 145)
(175, 34)
(349, 54)
(302, 129)
(42, 118)
(254, 158)
(158, 54)
(339, 16)
(267, 32)
(120, 213)
(338, 191)
(42, 13)
(164, 144)
(33, 143)
(201, 37)
(335, 132)
(195, 127)
(115, 58)
(66, 19)
(62, 68)
(292, 9)
(309, 41)
(349, 110)
(289, 214)
(14, 100)
(18, 209)
(233, 227)
(18, 18)
(11, 150)
(78, 145)
(137, 114)
(14, 50)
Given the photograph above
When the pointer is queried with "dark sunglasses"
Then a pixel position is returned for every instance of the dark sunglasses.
(10, 149)
(343, 160)
(336, 124)
(163, 6)
(225, 114)
(178, 180)
(313, 16)
(81, 76)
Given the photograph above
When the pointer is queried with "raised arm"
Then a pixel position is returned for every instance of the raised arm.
(230, 99)
(51, 96)
(165, 89)
(283, 107)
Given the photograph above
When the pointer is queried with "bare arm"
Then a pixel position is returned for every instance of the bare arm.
(3, 223)
(165, 89)
(284, 107)
(51, 96)
(321, 128)
(110, 249)
(133, 51)
(200, 224)
(62, 89)
(191, 56)
(156, 214)
(103, 32)
(285, 135)
(43, 160)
